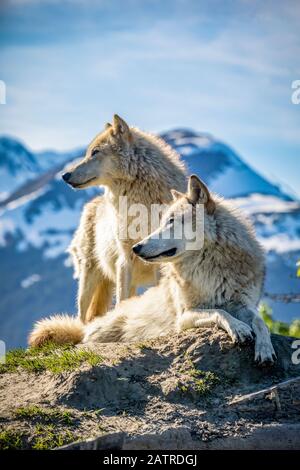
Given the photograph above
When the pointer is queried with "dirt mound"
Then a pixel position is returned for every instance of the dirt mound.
(193, 390)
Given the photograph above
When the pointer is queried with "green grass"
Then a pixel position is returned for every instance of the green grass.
(279, 327)
(47, 437)
(50, 415)
(204, 381)
(51, 357)
(11, 440)
(48, 429)
(200, 381)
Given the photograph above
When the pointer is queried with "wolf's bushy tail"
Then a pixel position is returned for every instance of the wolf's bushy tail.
(59, 329)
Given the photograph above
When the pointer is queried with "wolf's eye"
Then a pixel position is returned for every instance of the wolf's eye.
(94, 152)
(171, 220)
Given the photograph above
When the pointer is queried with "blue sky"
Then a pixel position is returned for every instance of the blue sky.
(223, 67)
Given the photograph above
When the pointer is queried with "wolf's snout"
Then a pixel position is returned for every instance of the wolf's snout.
(67, 176)
(137, 249)
(148, 253)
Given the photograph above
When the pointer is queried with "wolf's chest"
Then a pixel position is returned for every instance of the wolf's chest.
(205, 288)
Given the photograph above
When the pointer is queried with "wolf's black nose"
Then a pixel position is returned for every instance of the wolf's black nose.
(66, 177)
(137, 249)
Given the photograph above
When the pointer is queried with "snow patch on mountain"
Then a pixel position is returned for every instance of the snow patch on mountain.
(7, 227)
(219, 165)
(21, 201)
(49, 227)
(277, 221)
(19, 165)
(30, 280)
(258, 203)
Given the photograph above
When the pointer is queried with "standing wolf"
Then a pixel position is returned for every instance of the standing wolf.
(219, 283)
(128, 163)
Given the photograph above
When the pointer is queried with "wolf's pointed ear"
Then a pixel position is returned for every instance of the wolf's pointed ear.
(107, 126)
(120, 127)
(176, 194)
(198, 193)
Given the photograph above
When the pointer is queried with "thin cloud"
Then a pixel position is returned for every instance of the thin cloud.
(225, 70)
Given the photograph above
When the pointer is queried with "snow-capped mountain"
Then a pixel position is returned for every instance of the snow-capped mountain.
(19, 165)
(219, 165)
(40, 212)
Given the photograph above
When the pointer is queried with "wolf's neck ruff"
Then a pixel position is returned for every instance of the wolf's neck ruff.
(149, 171)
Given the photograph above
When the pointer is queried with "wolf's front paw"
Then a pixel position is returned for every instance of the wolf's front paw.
(240, 332)
(264, 352)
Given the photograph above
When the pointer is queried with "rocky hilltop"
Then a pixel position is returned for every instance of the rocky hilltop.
(195, 390)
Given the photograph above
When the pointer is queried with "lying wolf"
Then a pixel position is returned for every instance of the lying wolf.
(218, 284)
(128, 163)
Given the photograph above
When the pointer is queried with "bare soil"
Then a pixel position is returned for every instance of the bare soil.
(179, 392)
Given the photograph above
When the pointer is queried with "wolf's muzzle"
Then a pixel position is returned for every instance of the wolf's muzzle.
(66, 177)
(137, 249)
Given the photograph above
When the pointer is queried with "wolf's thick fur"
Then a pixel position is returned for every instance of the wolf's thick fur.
(131, 163)
(220, 283)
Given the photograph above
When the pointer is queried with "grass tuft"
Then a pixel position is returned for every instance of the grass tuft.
(48, 428)
(142, 346)
(197, 381)
(47, 437)
(204, 381)
(32, 412)
(11, 440)
(50, 357)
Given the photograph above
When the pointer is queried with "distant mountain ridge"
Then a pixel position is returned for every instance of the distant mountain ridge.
(39, 213)
(18, 165)
(219, 165)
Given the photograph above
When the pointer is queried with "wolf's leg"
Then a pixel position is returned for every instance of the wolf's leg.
(132, 292)
(124, 275)
(237, 330)
(101, 300)
(264, 351)
(157, 276)
(88, 280)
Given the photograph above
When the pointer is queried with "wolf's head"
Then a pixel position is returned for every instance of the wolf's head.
(105, 157)
(184, 226)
